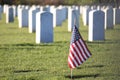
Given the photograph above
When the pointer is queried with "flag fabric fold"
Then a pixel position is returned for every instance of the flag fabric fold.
(78, 52)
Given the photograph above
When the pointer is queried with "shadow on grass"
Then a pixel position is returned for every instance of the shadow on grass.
(103, 42)
(82, 76)
(92, 66)
(26, 71)
(32, 45)
(56, 43)
(96, 66)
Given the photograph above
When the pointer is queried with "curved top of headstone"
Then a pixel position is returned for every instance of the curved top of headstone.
(46, 13)
(97, 12)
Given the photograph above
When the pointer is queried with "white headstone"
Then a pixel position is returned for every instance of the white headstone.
(41, 8)
(59, 17)
(14, 10)
(19, 8)
(73, 19)
(108, 18)
(93, 7)
(9, 15)
(65, 13)
(44, 27)
(1, 8)
(5, 8)
(96, 25)
(85, 14)
(47, 8)
(98, 7)
(23, 17)
(32, 19)
(53, 11)
(116, 16)
(81, 9)
(0, 12)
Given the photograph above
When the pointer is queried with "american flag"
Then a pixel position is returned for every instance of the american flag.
(78, 52)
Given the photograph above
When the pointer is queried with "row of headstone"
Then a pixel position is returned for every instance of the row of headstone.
(14, 9)
(59, 15)
(42, 20)
(11, 13)
(112, 15)
(37, 21)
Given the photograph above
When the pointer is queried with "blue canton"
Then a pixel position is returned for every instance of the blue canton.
(75, 35)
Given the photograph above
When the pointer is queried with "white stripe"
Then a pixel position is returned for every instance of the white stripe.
(76, 64)
(85, 48)
(81, 50)
(70, 63)
(75, 55)
(79, 53)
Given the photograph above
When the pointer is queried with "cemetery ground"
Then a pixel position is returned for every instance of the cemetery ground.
(22, 59)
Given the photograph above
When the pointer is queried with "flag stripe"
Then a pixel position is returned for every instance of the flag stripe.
(85, 48)
(80, 49)
(74, 59)
(81, 59)
(83, 51)
(76, 55)
(78, 52)
(70, 63)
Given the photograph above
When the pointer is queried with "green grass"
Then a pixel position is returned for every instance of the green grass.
(22, 59)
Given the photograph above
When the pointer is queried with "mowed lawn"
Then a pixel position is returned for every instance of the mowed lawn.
(22, 59)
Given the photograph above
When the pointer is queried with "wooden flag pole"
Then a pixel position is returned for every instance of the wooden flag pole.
(71, 74)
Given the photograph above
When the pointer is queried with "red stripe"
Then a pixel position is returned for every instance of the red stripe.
(80, 51)
(83, 48)
(72, 61)
(77, 53)
(85, 45)
(69, 64)
(74, 57)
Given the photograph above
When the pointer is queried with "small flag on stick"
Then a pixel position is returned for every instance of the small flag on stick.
(78, 52)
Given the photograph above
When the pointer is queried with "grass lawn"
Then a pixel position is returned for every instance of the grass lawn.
(22, 59)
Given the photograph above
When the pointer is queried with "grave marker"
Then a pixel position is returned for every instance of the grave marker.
(73, 18)
(0, 12)
(108, 18)
(96, 25)
(44, 27)
(23, 17)
(9, 14)
(116, 16)
(32, 19)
